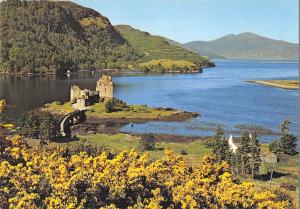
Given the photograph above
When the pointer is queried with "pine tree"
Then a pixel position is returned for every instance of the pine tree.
(255, 160)
(48, 126)
(244, 153)
(288, 141)
(289, 144)
(221, 147)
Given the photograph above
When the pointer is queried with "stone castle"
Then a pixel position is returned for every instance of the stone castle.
(105, 87)
(81, 99)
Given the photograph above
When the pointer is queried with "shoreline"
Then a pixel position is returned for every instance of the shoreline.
(107, 70)
(288, 84)
(99, 121)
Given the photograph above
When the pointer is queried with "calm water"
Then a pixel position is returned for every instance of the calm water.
(219, 94)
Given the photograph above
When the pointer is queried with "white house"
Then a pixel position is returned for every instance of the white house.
(232, 145)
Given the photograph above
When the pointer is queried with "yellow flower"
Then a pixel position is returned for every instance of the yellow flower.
(2, 105)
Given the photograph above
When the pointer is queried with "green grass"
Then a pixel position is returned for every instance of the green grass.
(196, 150)
(98, 110)
(168, 64)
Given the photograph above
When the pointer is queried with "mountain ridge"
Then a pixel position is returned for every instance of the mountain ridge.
(158, 52)
(245, 45)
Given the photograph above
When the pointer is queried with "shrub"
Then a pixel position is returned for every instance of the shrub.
(275, 147)
(39, 125)
(183, 152)
(147, 142)
(288, 186)
(114, 105)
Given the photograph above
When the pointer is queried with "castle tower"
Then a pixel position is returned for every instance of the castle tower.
(105, 87)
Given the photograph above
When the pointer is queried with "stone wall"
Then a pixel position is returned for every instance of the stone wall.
(105, 87)
(75, 93)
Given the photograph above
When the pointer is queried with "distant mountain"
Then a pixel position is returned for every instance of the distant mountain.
(245, 46)
(159, 54)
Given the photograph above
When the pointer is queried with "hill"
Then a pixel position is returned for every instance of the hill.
(52, 37)
(56, 36)
(159, 54)
(245, 46)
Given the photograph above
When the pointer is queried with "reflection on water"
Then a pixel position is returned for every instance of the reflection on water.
(219, 94)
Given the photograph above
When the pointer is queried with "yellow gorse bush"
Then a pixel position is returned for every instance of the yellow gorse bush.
(2, 105)
(42, 178)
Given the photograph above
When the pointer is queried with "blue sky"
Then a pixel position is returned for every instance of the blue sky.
(189, 20)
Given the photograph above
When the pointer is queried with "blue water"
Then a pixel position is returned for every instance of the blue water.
(220, 95)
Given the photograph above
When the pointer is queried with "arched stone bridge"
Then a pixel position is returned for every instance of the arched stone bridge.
(70, 120)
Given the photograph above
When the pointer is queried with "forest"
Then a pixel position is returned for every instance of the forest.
(50, 37)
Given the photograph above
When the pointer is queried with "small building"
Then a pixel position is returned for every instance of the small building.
(234, 143)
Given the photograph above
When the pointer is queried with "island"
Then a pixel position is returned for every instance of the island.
(283, 84)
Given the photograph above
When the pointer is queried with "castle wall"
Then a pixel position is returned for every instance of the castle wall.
(75, 93)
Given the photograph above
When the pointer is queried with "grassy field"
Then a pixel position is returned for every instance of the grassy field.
(287, 169)
(98, 110)
(169, 64)
(284, 84)
(195, 150)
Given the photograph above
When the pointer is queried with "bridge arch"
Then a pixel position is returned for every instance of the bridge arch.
(73, 118)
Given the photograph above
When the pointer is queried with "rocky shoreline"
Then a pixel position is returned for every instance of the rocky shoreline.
(112, 125)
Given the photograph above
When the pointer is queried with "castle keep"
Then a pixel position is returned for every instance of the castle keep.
(105, 87)
(80, 99)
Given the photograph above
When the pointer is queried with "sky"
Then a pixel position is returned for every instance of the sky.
(190, 20)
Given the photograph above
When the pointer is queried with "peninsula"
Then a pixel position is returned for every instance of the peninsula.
(283, 84)
(102, 110)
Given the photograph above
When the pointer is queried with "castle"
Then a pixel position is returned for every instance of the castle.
(81, 99)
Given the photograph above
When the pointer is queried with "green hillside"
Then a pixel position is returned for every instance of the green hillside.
(52, 37)
(159, 55)
(56, 36)
(245, 46)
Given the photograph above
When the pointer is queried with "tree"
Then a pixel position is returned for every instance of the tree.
(147, 142)
(289, 144)
(40, 125)
(244, 153)
(48, 126)
(275, 147)
(255, 160)
(221, 146)
(30, 124)
(288, 141)
(114, 105)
